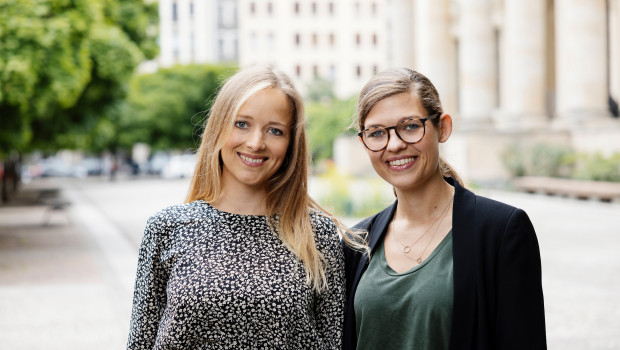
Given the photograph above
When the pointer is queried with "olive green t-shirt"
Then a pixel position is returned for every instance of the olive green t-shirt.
(410, 310)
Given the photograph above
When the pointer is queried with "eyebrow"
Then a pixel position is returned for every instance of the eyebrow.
(271, 123)
(399, 120)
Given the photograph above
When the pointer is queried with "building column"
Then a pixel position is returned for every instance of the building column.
(436, 48)
(523, 66)
(400, 30)
(614, 55)
(581, 65)
(477, 64)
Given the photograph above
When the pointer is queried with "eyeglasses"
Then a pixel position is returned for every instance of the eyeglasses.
(410, 130)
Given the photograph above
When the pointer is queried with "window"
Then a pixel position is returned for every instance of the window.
(330, 8)
(191, 9)
(332, 39)
(296, 7)
(298, 70)
(374, 40)
(358, 71)
(375, 69)
(315, 71)
(252, 8)
(175, 15)
(332, 72)
(315, 39)
(373, 8)
(253, 41)
(357, 9)
(358, 39)
(269, 8)
(270, 41)
(297, 39)
(314, 8)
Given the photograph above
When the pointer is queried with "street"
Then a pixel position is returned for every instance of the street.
(68, 285)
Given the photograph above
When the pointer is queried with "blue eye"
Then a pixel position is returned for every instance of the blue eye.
(241, 124)
(276, 132)
(376, 133)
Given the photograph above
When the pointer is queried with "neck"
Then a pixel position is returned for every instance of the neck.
(244, 201)
(425, 202)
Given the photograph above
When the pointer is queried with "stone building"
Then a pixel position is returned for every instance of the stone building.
(510, 72)
(197, 31)
(519, 72)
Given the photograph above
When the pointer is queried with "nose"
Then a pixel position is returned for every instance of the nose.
(395, 143)
(255, 140)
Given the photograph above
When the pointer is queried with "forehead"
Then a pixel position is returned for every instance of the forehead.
(269, 104)
(391, 110)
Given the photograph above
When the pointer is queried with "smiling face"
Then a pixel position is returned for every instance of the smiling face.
(258, 142)
(406, 166)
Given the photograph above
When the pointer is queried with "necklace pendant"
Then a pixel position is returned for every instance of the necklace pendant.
(407, 249)
(419, 260)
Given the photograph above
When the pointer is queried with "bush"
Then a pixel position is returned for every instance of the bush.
(597, 167)
(556, 161)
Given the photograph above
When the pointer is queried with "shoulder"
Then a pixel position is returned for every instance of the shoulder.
(322, 223)
(494, 210)
(177, 215)
(483, 217)
(325, 229)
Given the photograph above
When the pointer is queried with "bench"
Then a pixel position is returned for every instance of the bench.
(580, 189)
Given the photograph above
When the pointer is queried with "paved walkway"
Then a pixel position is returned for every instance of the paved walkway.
(68, 284)
(58, 286)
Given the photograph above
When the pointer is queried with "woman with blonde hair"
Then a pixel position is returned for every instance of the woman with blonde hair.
(448, 269)
(250, 261)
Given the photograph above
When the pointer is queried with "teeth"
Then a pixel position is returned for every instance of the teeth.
(251, 160)
(401, 161)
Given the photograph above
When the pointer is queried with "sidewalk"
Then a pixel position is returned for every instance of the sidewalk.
(68, 285)
(57, 291)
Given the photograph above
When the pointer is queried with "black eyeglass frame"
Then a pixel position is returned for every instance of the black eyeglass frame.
(395, 128)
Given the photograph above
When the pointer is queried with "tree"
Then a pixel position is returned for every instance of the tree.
(166, 109)
(64, 66)
(326, 121)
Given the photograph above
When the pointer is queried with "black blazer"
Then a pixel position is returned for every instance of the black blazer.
(498, 298)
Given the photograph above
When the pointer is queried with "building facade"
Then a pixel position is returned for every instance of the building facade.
(344, 42)
(197, 31)
(514, 73)
(510, 72)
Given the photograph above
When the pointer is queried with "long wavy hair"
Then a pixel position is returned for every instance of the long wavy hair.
(288, 188)
(402, 80)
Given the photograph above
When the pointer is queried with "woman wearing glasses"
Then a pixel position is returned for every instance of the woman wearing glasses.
(249, 261)
(448, 269)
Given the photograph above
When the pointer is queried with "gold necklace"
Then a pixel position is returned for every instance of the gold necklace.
(406, 249)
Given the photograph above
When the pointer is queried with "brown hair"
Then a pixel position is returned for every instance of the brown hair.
(401, 80)
(288, 188)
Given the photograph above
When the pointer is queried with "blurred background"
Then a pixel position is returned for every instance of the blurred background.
(102, 104)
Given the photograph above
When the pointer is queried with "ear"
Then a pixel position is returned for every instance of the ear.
(445, 127)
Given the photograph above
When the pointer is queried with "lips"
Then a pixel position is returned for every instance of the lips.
(401, 162)
(251, 159)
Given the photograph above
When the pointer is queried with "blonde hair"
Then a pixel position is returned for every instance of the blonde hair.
(288, 188)
(401, 80)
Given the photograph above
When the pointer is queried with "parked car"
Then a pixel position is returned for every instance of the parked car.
(53, 167)
(179, 166)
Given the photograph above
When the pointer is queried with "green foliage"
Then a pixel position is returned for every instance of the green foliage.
(349, 196)
(598, 167)
(166, 109)
(513, 159)
(557, 161)
(64, 65)
(320, 90)
(551, 160)
(327, 121)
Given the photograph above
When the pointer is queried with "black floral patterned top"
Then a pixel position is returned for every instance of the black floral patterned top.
(209, 279)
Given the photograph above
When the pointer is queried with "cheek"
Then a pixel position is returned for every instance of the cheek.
(279, 148)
